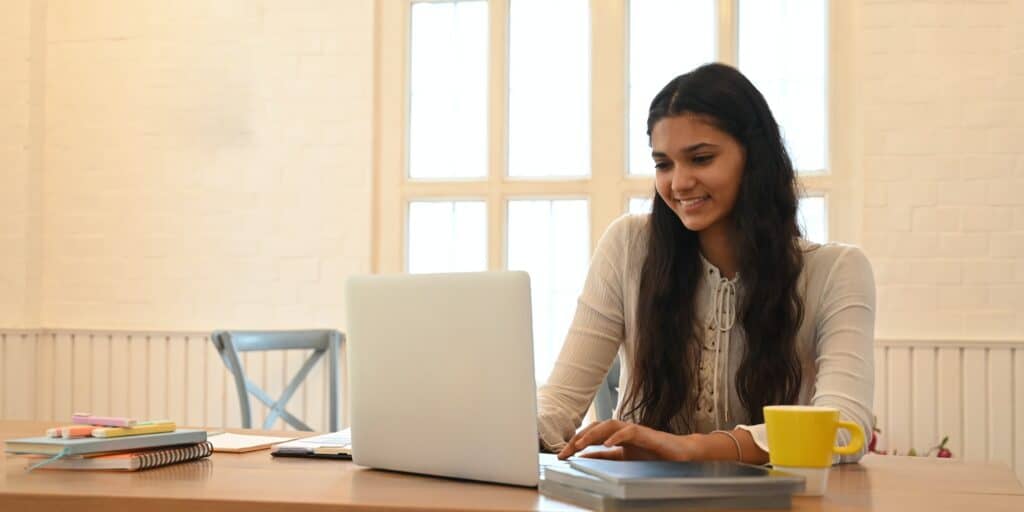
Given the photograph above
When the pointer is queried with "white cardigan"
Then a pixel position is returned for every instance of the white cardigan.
(834, 341)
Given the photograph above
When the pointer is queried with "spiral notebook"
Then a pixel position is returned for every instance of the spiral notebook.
(134, 461)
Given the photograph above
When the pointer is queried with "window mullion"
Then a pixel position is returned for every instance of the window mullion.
(608, 103)
(497, 126)
(728, 32)
(391, 113)
(844, 166)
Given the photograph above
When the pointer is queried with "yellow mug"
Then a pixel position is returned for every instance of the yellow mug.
(805, 436)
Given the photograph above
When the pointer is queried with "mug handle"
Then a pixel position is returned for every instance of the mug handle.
(856, 439)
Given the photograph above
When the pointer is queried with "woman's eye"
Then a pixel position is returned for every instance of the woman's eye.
(703, 159)
(662, 165)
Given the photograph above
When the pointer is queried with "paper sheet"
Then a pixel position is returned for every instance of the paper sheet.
(240, 443)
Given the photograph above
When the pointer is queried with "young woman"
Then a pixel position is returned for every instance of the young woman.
(714, 303)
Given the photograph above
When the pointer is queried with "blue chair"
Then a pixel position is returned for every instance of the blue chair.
(230, 344)
(608, 394)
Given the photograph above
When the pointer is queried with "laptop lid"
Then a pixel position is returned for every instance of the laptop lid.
(441, 376)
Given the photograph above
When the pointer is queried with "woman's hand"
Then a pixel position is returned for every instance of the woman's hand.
(629, 441)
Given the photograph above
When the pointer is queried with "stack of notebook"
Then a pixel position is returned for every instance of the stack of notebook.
(94, 442)
(666, 485)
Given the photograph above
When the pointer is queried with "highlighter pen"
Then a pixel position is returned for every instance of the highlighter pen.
(84, 418)
(54, 432)
(150, 428)
(77, 431)
(152, 422)
(70, 431)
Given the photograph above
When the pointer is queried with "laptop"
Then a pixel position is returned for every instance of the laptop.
(441, 376)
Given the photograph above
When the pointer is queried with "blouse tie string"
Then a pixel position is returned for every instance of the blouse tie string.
(721, 318)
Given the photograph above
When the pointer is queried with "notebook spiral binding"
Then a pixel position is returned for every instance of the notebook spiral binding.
(191, 470)
(171, 456)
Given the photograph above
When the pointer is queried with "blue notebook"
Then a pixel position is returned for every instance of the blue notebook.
(660, 480)
(56, 446)
(705, 475)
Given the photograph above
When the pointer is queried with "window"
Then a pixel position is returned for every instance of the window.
(447, 236)
(448, 90)
(549, 88)
(788, 66)
(689, 28)
(812, 216)
(640, 204)
(549, 239)
(512, 132)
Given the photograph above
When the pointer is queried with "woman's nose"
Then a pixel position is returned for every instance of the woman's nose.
(682, 179)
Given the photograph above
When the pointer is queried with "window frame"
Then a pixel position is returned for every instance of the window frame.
(610, 186)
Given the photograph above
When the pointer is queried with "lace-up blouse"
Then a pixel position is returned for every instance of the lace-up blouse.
(834, 341)
(720, 319)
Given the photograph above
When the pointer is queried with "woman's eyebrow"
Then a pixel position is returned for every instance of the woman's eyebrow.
(699, 145)
(687, 149)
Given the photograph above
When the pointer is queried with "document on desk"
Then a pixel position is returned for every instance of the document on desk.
(336, 445)
(241, 443)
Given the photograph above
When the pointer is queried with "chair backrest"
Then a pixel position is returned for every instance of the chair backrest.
(230, 344)
(608, 393)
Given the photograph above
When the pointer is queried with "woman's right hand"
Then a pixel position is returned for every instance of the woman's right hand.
(629, 441)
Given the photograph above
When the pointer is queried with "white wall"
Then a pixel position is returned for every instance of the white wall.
(17, 181)
(207, 164)
(943, 109)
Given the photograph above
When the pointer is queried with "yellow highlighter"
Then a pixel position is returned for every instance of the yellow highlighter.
(143, 427)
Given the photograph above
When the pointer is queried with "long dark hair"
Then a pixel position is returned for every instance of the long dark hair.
(664, 378)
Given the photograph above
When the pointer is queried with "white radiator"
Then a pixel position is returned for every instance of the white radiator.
(50, 374)
(972, 391)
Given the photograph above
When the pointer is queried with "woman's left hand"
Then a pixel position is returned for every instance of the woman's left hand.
(629, 441)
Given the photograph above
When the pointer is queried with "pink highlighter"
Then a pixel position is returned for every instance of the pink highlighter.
(82, 418)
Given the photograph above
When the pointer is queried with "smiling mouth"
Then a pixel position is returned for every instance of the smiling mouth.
(694, 201)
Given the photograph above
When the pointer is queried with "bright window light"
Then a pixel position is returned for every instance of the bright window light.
(666, 38)
(783, 46)
(813, 218)
(549, 88)
(447, 236)
(550, 239)
(640, 204)
(448, 90)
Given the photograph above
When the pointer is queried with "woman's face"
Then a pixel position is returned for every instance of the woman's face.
(698, 170)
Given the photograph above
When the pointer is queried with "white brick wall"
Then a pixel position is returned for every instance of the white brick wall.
(207, 163)
(15, 176)
(943, 97)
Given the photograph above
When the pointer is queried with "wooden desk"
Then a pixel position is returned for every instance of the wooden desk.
(257, 482)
